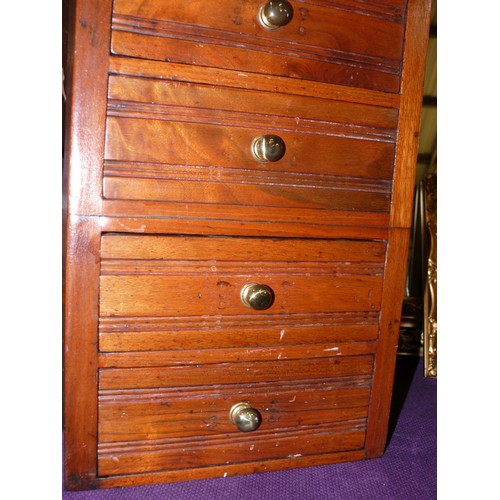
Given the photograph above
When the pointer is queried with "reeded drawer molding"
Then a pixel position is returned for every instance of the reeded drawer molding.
(343, 42)
(259, 118)
(198, 453)
(150, 276)
(345, 387)
(179, 142)
(154, 333)
(242, 372)
(176, 72)
(189, 423)
(149, 217)
(188, 268)
(137, 170)
(157, 98)
(139, 359)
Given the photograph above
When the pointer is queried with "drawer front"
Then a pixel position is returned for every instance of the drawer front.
(345, 42)
(192, 143)
(160, 292)
(157, 292)
(306, 407)
(179, 349)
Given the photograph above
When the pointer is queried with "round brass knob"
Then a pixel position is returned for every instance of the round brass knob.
(246, 418)
(268, 148)
(257, 296)
(275, 14)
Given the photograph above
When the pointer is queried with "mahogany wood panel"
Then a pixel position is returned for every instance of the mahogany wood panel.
(181, 218)
(192, 143)
(157, 218)
(243, 372)
(417, 30)
(147, 136)
(227, 470)
(392, 302)
(398, 244)
(138, 415)
(351, 44)
(187, 93)
(229, 78)
(157, 248)
(208, 278)
(220, 294)
(167, 333)
(88, 47)
(219, 355)
(168, 454)
(190, 424)
(86, 105)
(80, 341)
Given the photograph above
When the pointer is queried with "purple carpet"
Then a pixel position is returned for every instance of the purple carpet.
(407, 471)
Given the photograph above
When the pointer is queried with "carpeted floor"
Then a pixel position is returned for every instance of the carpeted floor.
(407, 470)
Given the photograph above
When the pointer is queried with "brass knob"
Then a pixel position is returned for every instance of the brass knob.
(257, 296)
(268, 148)
(246, 418)
(275, 14)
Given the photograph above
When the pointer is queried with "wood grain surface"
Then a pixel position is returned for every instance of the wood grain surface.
(351, 44)
(204, 276)
(168, 216)
(191, 143)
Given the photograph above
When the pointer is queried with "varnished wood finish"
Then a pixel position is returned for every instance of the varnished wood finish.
(165, 455)
(312, 277)
(169, 215)
(230, 78)
(350, 44)
(86, 109)
(283, 350)
(192, 143)
(410, 110)
(228, 470)
(80, 341)
(86, 77)
(398, 244)
(146, 216)
(392, 302)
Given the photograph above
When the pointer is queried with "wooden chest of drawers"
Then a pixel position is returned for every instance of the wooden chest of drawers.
(239, 179)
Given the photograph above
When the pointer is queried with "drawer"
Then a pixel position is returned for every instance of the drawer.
(344, 42)
(192, 143)
(171, 292)
(176, 417)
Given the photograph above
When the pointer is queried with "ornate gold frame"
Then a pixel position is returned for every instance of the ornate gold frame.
(430, 293)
